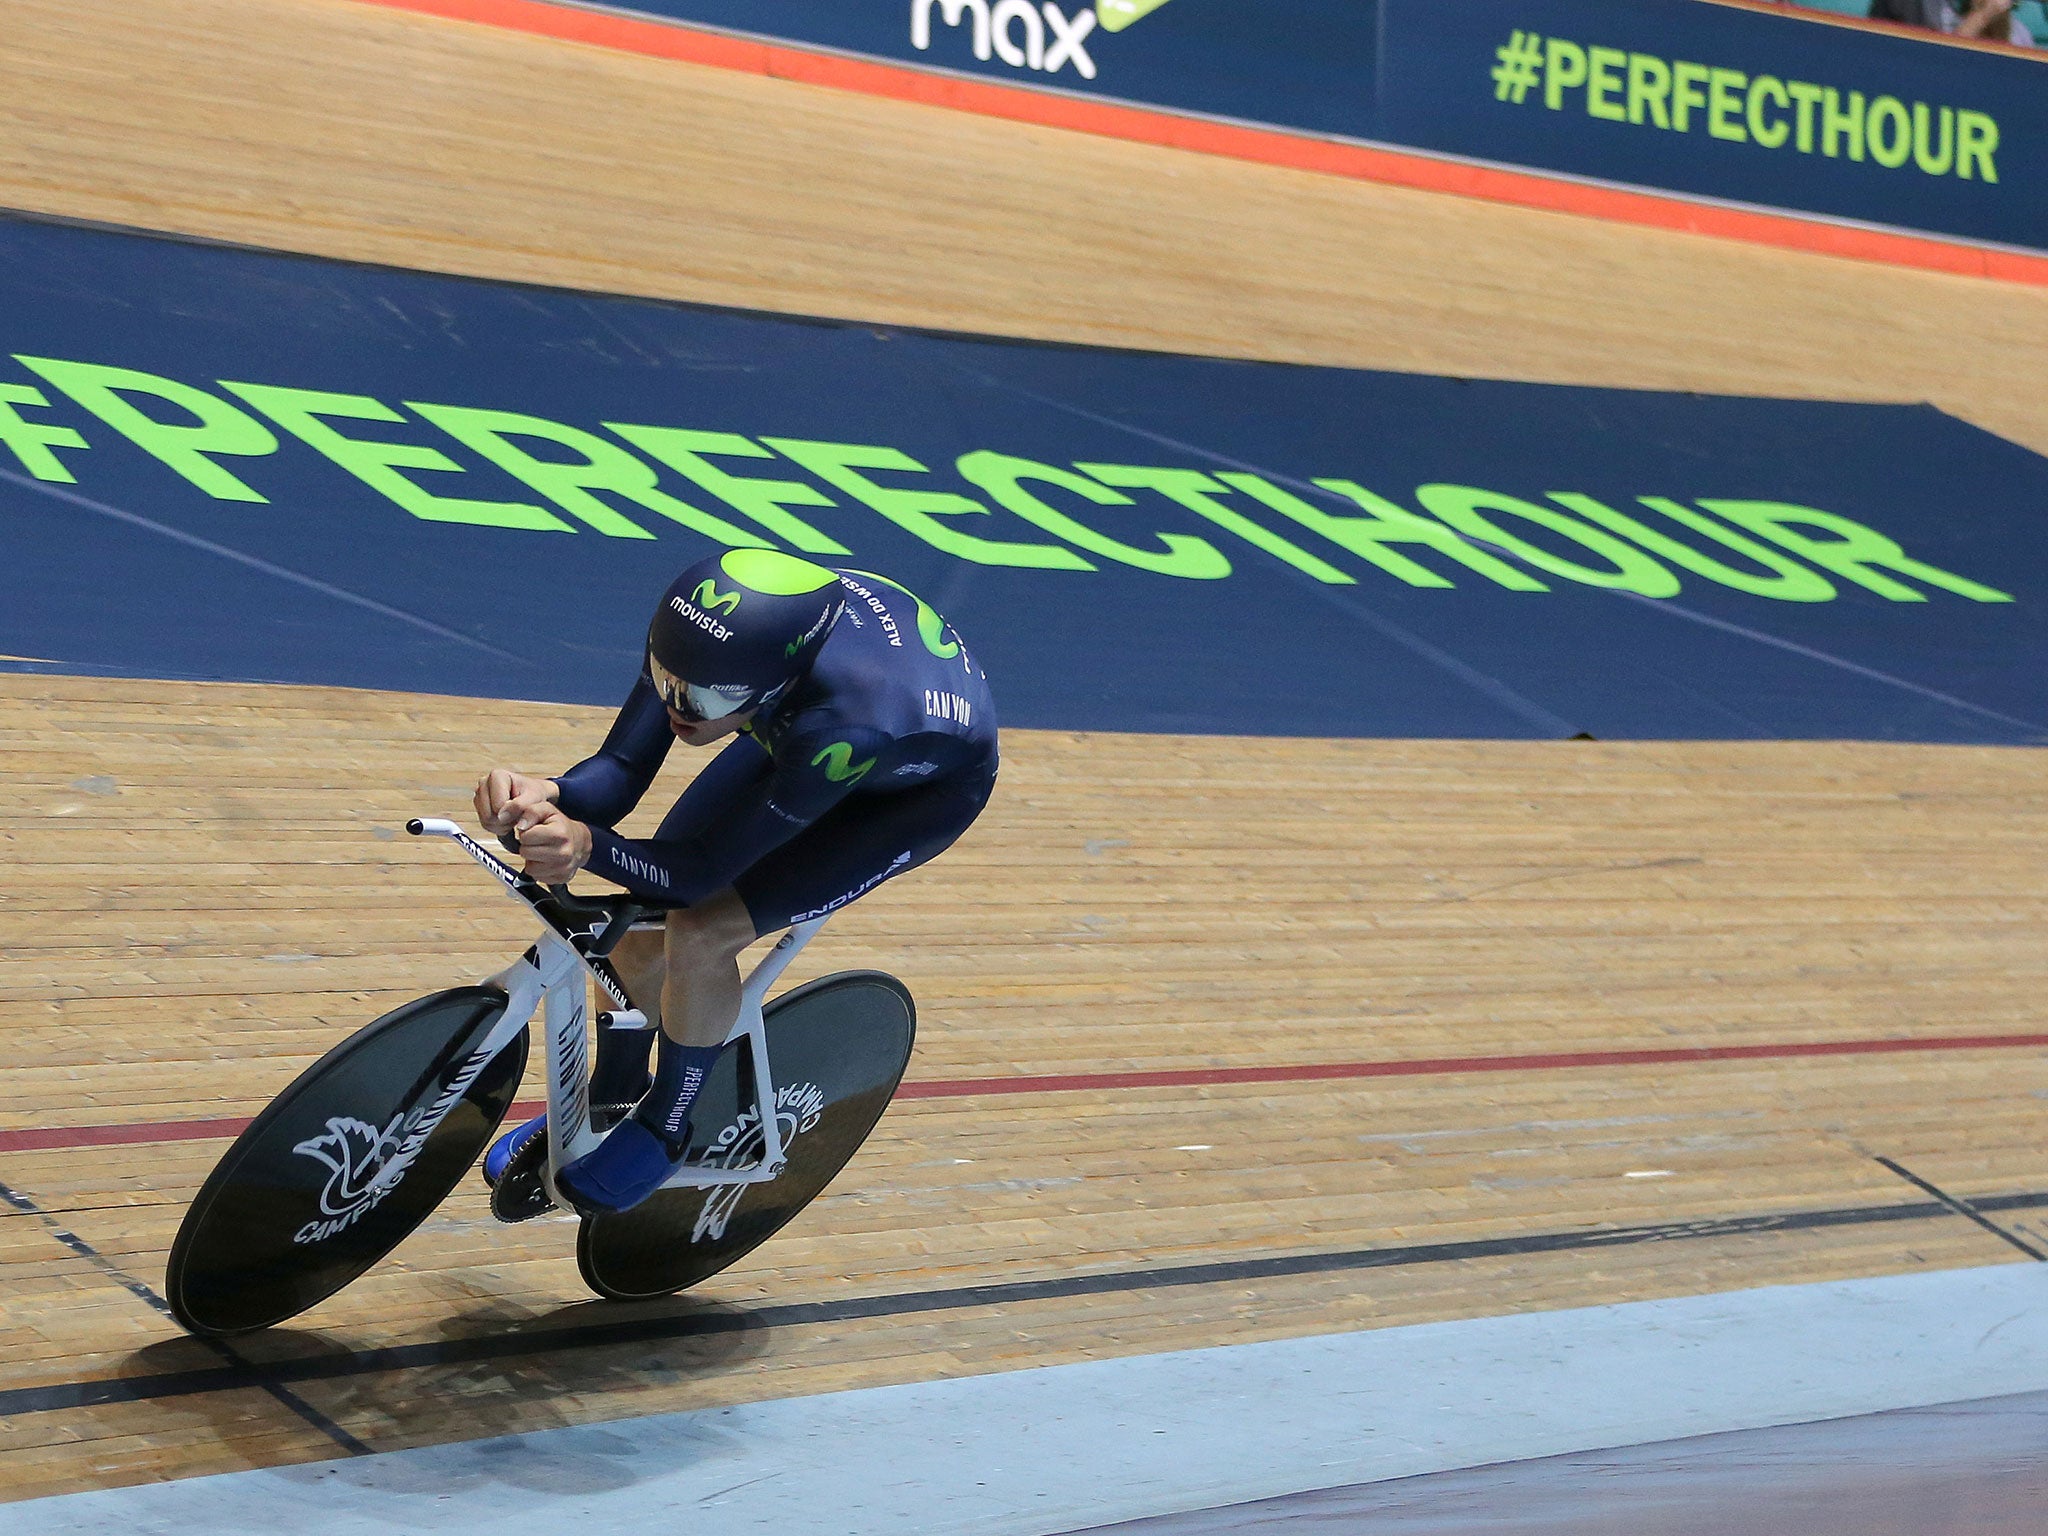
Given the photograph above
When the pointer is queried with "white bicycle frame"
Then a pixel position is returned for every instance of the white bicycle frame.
(549, 979)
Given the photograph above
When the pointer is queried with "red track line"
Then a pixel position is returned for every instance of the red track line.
(675, 40)
(41, 1139)
(145, 1131)
(1195, 1077)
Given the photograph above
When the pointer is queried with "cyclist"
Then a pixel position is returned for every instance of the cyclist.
(861, 743)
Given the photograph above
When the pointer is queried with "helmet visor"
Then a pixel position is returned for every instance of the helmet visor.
(696, 701)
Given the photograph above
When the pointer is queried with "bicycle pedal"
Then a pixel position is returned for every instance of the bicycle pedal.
(521, 1192)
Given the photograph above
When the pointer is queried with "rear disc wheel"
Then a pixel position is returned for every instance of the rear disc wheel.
(838, 1047)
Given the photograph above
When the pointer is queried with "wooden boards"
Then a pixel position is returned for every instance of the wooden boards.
(208, 886)
(205, 885)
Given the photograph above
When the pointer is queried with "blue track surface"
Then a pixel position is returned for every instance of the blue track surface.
(345, 537)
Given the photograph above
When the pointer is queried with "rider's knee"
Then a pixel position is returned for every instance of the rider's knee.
(699, 936)
(638, 956)
(638, 947)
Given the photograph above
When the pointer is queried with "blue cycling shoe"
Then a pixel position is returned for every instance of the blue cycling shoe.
(627, 1166)
(517, 1164)
(509, 1146)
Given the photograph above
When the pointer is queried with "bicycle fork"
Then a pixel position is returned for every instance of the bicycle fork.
(411, 1138)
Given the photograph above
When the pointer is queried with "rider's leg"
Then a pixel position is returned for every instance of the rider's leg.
(700, 1003)
(619, 1075)
(641, 964)
(857, 845)
(700, 995)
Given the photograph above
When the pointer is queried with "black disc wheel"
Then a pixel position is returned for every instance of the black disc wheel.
(305, 1201)
(837, 1047)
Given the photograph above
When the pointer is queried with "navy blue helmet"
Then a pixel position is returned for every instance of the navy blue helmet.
(736, 629)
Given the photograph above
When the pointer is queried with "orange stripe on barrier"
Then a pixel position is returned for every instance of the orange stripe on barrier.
(1525, 189)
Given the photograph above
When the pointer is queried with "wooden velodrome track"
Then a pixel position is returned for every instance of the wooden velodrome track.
(1441, 1013)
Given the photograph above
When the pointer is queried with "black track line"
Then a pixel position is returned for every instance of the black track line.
(515, 1341)
(157, 1304)
(1964, 1208)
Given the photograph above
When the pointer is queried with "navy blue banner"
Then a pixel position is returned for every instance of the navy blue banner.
(230, 464)
(1706, 100)
(1728, 103)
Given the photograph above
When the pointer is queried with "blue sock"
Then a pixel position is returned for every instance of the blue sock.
(620, 1075)
(679, 1071)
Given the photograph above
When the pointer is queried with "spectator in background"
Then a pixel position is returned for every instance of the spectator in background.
(1995, 20)
(1913, 13)
(1985, 19)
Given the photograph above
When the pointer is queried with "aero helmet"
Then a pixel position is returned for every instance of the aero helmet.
(737, 628)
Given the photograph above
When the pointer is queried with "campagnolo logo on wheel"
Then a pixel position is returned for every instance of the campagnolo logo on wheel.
(797, 1108)
(365, 1164)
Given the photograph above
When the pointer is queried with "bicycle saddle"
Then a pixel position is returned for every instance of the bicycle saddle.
(605, 919)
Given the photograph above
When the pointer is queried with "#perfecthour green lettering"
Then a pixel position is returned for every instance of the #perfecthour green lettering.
(766, 501)
(1199, 494)
(118, 397)
(31, 441)
(571, 484)
(918, 511)
(1003, 479)
(1384, 523)
(377, 462)
(1775, 550)
(1796, 116)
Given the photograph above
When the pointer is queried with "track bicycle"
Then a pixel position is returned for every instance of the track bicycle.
(366, 1143)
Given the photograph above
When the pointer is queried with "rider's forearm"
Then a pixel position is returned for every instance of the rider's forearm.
(742, 822)
(660, 871)
(601, 789)
(690, 868)
(605, 786)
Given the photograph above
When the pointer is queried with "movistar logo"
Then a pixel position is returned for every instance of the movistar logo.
(840, 767)
(832, 611)
(700, 618)
(709, 598)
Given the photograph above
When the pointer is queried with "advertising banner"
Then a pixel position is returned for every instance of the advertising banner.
(1771, 110)
(1728, 103)
(228, 464)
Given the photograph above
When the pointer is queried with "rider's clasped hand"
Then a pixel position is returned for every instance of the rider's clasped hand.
(554, 845)
(510, 802)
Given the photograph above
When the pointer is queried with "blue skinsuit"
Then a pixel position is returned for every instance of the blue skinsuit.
(871, 764)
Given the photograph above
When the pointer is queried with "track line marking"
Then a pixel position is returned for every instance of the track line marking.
(149, 1298)
(1192, 1077)
(1963, 1208)
(48, 1138)
(517, 1342)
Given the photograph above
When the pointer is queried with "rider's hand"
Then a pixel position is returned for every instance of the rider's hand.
(508, 801)
(555, 847)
